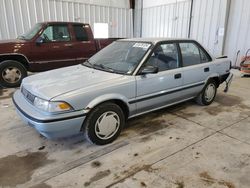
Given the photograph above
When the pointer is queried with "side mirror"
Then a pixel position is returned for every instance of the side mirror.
(149, 70)
(39, 41)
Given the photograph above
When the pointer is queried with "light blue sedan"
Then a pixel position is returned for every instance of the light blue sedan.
(128, 78)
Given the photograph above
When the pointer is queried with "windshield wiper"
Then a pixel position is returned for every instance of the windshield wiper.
(87, 63)
(108, 69)
(102, 67)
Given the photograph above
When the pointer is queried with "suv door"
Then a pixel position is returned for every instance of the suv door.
(196, 67)
(163, 88)
(56, 49)
(84, 46)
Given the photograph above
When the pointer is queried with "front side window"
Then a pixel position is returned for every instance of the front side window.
(192, 54)
(56, 33)
(80, 33)
(165, 57)
(120, 57)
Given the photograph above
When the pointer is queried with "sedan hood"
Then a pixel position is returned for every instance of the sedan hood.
(53, 83)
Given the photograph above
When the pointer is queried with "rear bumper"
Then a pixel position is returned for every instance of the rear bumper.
(224, 77)
(227, 78)
(51, 126)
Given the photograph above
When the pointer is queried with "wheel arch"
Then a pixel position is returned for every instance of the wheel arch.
(118, 99)
(214, 77)
(16, 57)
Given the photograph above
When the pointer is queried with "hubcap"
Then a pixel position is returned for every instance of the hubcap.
(210, 92)
(11, 74)
(107, 125)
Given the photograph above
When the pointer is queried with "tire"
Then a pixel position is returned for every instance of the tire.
(11, 73)
(95, 119)
(206, 97)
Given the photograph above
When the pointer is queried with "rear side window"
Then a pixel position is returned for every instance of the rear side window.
(192, 54)
(80, 33)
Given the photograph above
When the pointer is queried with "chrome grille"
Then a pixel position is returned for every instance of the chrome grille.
(30, 97)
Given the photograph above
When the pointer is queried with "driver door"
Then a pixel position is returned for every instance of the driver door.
(56, 50)
(157, 90)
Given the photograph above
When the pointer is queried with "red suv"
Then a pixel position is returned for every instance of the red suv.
(46, 46)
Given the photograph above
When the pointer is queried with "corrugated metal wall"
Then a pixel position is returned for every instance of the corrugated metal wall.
(208, 24)
(169, 20)
(238, 33)
(172, 20)
(17, 16)
(138, 18)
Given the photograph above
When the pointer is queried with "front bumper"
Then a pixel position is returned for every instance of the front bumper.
(51, 126)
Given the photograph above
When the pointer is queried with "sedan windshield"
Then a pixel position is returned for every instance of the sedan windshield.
(119, 57)
(31, 33)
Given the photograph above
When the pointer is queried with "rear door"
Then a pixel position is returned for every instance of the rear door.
(157, 90)
(56, 50)
(83, 44)
(196, 67)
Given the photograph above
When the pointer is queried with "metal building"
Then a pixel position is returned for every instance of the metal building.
(222, 26)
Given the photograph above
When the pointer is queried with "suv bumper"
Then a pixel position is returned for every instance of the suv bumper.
(50, 126)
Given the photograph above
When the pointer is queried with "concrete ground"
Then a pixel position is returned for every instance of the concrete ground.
(182, 146)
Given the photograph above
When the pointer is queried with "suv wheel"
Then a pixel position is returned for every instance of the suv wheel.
(206, 97)
(104, 123)
(11, 73)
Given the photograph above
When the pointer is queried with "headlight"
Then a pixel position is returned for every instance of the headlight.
(41, 104)
(51, 106)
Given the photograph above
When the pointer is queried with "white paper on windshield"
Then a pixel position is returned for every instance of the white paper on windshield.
(145, 46)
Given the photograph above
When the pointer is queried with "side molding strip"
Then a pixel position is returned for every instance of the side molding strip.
(164, 93)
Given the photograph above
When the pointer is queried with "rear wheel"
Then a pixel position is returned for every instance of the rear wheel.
(11, 73)
(206, 97)
(104, 123)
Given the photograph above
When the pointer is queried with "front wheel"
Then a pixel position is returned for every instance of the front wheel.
(104, 124)
(206, 97)
(11, 73)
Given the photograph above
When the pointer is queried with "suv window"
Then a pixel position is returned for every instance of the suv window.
(54, 33)
(192, 54)
(80, 33)
(165, 57)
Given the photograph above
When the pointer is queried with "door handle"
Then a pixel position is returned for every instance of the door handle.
(69, 45)
(56, 47)
(177, 76)
(206, 69)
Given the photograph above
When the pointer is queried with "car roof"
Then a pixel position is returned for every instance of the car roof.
(59, 22)
(155, 40)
